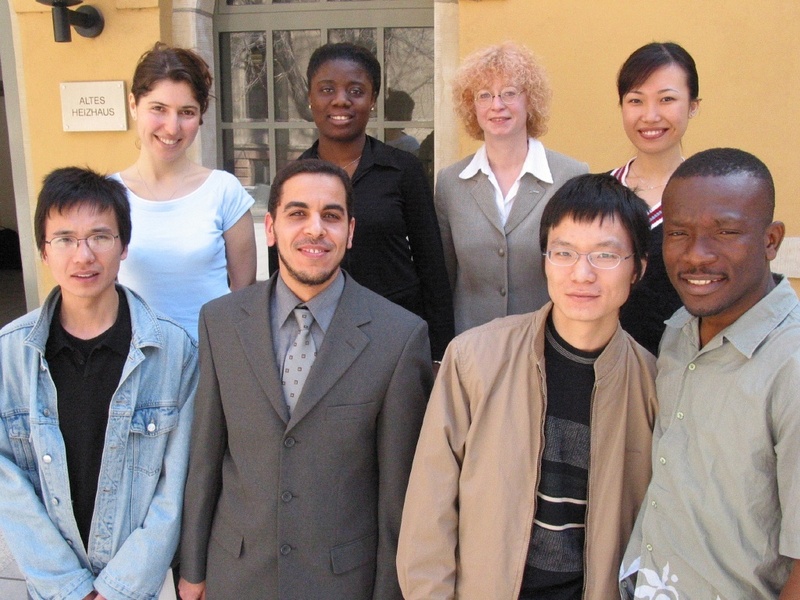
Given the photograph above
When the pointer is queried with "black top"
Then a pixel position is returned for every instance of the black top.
(554, 566)
(653, 300)
(86, 374)
(397, 248)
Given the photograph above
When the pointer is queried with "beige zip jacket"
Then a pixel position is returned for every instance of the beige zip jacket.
(472, 494)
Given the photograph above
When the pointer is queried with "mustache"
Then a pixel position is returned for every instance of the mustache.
(323, 243)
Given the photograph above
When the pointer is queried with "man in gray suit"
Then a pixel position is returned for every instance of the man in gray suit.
(296, 486)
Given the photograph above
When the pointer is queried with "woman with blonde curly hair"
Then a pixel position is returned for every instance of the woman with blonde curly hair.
(490, 204)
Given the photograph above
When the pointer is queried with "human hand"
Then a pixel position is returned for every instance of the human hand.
(192, 591)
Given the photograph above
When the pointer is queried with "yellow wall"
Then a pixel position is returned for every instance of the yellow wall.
(746, 53)
(131, 26)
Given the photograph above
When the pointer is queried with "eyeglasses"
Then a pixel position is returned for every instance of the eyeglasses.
(99, 242)
(507, 96)
(599, 259)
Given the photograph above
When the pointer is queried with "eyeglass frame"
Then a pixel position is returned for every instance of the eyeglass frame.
(588, 256)
(488, 102)
(78, 241)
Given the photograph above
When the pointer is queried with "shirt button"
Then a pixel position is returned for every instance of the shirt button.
(679, 415)
(289, 442)
(286, 496)
(151, 427)
(502, 251)
(502, 291)
(47, 459)
(286, 549)
(649, 547)
(654, 504)
(662, 460)
(46, 412)
(54, 501)
(692, 366)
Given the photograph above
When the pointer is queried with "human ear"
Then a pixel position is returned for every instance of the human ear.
(773, 236)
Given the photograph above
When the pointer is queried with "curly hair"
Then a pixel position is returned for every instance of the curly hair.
(508, 61)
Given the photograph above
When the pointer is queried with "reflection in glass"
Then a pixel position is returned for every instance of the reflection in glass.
(408, 66)
(291, 52)
(246, 155)
(244, 84)
(291, 143)
(363, 37)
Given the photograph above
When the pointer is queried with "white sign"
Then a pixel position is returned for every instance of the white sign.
(93, 106)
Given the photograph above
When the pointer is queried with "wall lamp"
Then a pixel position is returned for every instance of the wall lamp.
(86, 20)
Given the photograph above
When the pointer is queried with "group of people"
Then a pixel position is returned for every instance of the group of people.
(293, 439)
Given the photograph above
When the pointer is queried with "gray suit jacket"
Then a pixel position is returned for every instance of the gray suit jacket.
(495, 270)
(307, 507)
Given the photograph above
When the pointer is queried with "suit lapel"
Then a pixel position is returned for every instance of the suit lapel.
(483, 193)
(344, 342)
(255, 334)
(530, 193)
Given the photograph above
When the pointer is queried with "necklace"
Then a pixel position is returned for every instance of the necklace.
(154, 196)
(645, 187)
(355, 160)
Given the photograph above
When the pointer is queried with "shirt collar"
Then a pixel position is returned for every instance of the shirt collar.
(117, 338)
(752, 328)
(535, 163)
(322, 306)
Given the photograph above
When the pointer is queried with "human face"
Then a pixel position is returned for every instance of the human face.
(718, 241)
(311, 231)
(501, 121)
(586, 300)
(655, 114)
(167, 119)
(85, 276)
(341, 98)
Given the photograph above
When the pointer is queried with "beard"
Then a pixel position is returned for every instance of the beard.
(303, 277)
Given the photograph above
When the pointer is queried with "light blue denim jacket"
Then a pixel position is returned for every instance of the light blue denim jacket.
(137, 515)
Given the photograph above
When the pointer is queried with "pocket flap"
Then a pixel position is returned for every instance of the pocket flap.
(154, 420)
(354, 554)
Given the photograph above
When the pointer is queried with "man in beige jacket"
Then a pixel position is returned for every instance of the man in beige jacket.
(535, 450)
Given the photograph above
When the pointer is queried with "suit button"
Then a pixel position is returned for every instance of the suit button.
(286, 496)
(286, 549)
(289, 442)
(502, 251)
(503, 291)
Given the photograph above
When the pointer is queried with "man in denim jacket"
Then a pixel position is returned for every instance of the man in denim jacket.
(96, 402)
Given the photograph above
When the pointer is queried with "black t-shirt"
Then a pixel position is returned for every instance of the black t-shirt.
(86, 374)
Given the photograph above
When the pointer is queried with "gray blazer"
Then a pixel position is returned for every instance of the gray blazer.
(494, 270)
(307, 507)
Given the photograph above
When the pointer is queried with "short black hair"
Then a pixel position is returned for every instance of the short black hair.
(589, 197)
(308, 165)
(719, 162)
(346, 51)
(649, 58)
(68, 187)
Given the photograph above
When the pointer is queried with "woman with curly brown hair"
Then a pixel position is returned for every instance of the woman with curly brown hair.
(489, 205)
